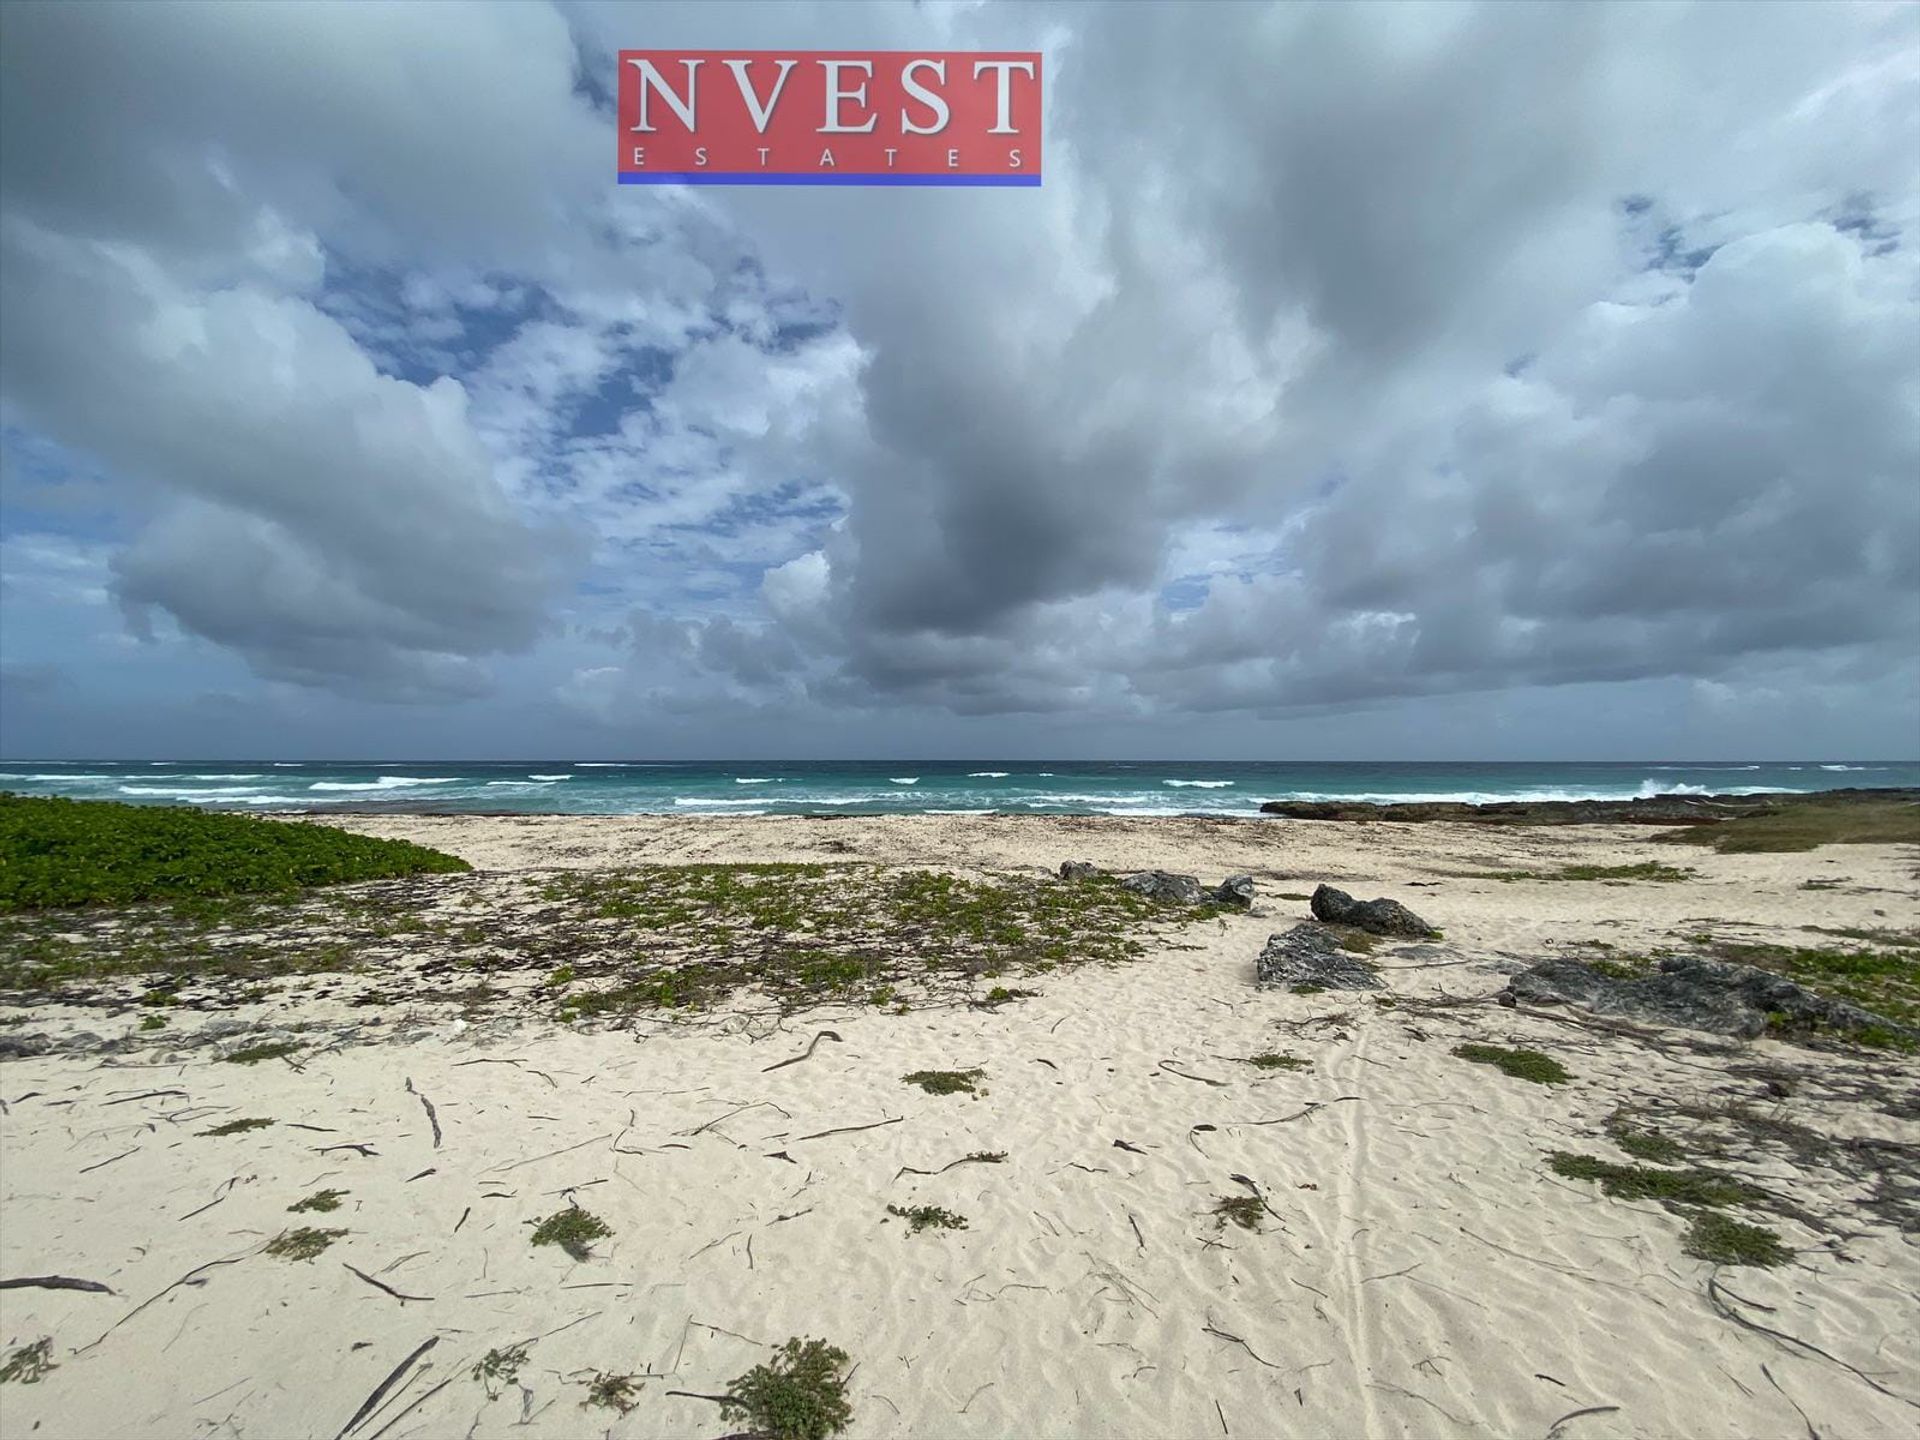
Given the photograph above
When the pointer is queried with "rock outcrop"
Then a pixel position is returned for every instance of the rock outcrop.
(1164, 886)
(1378, 917)
(1078, 870)
(1310, 954)
(1653, 810)
(1695, 993)
(1236, 890)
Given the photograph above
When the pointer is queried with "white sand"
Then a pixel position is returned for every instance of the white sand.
(1424, 1273)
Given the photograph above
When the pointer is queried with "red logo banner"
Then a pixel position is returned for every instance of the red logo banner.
(821, 117)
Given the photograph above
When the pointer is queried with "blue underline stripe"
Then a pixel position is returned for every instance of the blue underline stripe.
(708, 177)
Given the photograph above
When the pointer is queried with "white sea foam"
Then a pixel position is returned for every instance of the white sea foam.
(1853, 767)
(550, 777)
(385, 782)
(255, 776)
(751, 780)
(187, 792)
(1200, 784)
(690, 801)
(979, 775)
(906, 779)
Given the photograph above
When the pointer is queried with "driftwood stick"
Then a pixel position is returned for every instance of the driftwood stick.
(1715, 1292)
(388, 1288)
(433, 1117)
(807, 1054)
(129, 1099)
(368, 1405)
(1172, 1069)
(190, 1278)
(1553, 1430)
(56, 1282)
(849, 1129)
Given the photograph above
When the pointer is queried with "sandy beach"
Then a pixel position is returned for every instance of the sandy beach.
(1417, 1270)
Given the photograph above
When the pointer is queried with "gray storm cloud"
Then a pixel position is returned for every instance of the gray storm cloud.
(1347, 355)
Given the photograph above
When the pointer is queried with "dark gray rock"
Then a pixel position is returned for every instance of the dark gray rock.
(20, 1045)
(1167, 888)
(1310, 954)
(1695, 993)
(1078, 870)
(1380, 917)
(1234, 890)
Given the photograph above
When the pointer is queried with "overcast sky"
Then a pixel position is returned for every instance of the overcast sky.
(1363, 382)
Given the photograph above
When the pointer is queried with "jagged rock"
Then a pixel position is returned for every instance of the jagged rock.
(1695, 993)
(1078, 870)
(1381, 917)
(1234, 890)
(1167, 888)
(1310, 954)
(21, 1045)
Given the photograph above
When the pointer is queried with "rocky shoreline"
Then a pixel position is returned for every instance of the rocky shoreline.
(1655, 810)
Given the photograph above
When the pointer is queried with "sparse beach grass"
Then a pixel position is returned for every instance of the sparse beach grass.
(321, 1201)
(1532, 1065)
(928, 1217)
(946, 1082)
(800, 1395)
(574, 1230)
(667, 940)
(1271, 1060)
(1643, 870)
(303, 1243)
(28, 1364)
(1245, 1211)
(1809, 822)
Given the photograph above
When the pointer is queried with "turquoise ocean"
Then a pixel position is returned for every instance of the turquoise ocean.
(1041, 787)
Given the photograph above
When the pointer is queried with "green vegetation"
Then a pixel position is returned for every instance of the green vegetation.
(301, 1244)
(1647, 1145)
(803, 934)
(322, 1201)
(1242, 1210)
(1358, 942)
(574, 1230)
(1645, 870)
(254, 1054)
(153, 1022)
(499, 1368)
(802, 1395)
(1271, 1060)
(1520, 1064)
(676, 940)
(613, 1392)
(1729, 1242)
(928, 1217)
(1884, 981)
(1642, 1182)
(945, 1082)
(238, 1127)
(28, 1363)
(1807, 823)
(96, 852)
(1624, 967)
